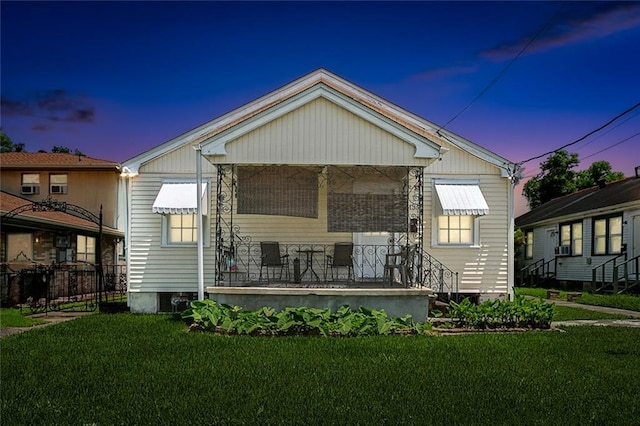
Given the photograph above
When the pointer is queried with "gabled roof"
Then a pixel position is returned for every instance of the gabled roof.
(616, 193)
(48, 160)
(387, 110)
(47, 219)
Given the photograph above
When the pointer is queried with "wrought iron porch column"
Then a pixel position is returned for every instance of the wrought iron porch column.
(225, 194)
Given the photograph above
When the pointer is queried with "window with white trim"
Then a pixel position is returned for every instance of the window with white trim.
(182, 229)
(30, 184)
(607, 235)
(86, 249)
(457, 212)
(455, 230)
(58, 183)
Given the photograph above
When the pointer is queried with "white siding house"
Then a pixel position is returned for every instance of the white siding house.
(317, 162)
(587, 240)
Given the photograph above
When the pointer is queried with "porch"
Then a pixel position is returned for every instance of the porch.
(371, 267)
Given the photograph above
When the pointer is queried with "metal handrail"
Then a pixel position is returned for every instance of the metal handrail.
(537, 269)
(603, 281)
(635, 262)
(437, 276)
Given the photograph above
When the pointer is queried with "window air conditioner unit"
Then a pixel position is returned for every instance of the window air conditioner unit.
(30, 189)
(563, 250)
(58, 189)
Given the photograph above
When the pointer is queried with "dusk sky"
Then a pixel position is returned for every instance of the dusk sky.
(114, 79)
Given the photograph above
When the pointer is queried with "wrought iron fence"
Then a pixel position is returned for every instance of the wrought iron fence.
(62, 286)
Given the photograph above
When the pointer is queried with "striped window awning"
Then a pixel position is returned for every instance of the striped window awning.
(462, 200)
(179, 198)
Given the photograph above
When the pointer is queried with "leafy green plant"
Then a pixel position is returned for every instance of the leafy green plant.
(521, 313)
(208, 315)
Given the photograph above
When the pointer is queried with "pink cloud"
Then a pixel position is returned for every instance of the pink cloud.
(600, 23)
(444, 72)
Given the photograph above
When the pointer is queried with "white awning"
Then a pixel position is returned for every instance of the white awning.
(462, 200)
(179, 198)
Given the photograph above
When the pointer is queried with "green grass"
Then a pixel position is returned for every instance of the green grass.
(146, 369)
(620, 301)
(10, 317)
(566, 313)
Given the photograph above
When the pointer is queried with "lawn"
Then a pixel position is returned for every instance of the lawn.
(620, 301)
(146, 369)
(14, 318)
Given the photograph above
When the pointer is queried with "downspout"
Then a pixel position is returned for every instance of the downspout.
(125, 179)
(513, 181)
(198, 149)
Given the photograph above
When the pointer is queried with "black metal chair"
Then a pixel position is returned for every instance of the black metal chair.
(342, 258)
(271, 258)
(402, 261)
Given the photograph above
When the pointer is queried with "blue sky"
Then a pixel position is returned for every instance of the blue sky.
(114, 79)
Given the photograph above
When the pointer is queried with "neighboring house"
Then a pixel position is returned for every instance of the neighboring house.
(586, 240)
(51, 205)
(317, 162)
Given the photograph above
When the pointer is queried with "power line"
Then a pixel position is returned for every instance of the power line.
(583, 137)
(609, 130)
(504, 70)
(611, 146)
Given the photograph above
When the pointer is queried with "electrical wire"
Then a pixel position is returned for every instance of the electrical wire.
(611, 146)
(503, 71)
(608, 123)
(609, 130)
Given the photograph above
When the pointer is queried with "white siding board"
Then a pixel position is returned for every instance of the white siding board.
(153, 267)
(320, 132)
(484, 268)
(181, 160)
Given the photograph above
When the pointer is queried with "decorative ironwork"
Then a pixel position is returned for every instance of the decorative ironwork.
(50, 204)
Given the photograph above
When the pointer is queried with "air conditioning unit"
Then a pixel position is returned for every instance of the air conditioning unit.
(563, 251)
(58, 189)
(30, 189)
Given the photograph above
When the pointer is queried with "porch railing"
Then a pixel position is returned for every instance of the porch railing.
(241, 265)
(626, 276)
(602, 276)
(537, 273)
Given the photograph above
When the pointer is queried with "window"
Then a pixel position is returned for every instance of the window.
(455, 229)
(607, 235)
(58, 184)
(30, 183)
(182, 229)
(571, 236)
(86, 249)
(528, 242)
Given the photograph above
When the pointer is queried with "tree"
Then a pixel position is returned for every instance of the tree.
(598, 171)
(7, 145)
(557, 178)
(65, 150)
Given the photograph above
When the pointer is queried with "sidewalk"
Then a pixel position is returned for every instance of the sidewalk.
(50, 318)
(635, 322)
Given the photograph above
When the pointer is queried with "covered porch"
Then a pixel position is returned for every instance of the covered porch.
(329, 227)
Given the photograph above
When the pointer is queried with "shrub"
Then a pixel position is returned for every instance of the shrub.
(521, 313)
(208, 315)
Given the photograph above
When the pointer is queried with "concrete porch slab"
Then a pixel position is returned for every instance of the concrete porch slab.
(397, 302)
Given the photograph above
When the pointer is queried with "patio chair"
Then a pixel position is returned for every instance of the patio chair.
(342, 258)
(402, 261)
(271, 258)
